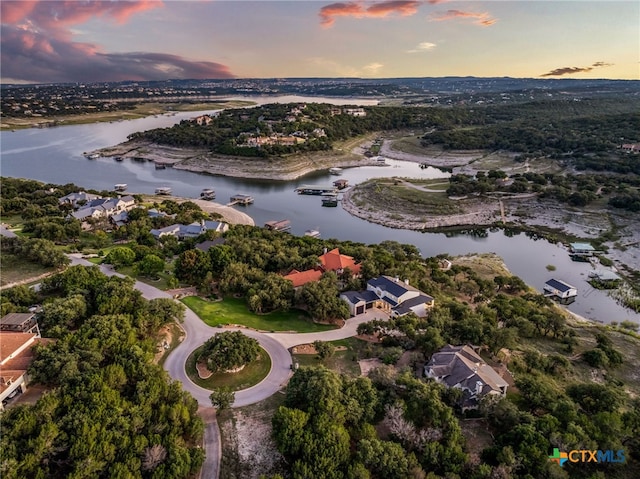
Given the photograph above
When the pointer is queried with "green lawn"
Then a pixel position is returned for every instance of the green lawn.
(251, 375)
(160, 282)
(234, 311)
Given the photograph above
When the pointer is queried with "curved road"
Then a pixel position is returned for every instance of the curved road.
(197, 332)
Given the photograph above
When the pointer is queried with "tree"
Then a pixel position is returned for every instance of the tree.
(151, 265)
(121, 256)
(222, 398)
(228, 351)
(324, 349)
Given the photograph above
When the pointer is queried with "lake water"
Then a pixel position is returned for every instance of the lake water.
(54, 155)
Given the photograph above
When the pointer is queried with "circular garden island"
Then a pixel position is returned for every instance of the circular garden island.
(228, 360)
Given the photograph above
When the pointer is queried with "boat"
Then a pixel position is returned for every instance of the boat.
(330, 200)
(92, 156)
(163, 190)
(120, 187)
(335, 171)
(119, 158)
(341, 184)
(160, 166)
(280, 225)
(208, 194)
(312, 233)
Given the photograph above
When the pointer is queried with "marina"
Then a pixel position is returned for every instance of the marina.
(280, 225)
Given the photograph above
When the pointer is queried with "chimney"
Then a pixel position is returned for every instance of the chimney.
(396, 279)
(325, 250)
(479, 386)
(406, 281)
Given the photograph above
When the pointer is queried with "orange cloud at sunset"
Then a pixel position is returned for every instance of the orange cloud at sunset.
(483, 18)
(403, 8)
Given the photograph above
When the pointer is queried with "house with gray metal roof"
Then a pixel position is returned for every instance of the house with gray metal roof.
(462, 368)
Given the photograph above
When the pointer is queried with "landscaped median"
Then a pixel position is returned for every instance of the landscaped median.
(233, 311)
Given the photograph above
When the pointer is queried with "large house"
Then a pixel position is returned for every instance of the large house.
(97, 207)
(192, 230)
(390, 295)
(73, 199)
(462, 368)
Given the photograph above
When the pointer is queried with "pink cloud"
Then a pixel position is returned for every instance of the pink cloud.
(483, 18)
(37, 45)
(403, 8)
(571, 70)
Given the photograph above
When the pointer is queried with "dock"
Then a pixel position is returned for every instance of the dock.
(330, 200)
(163, 190)
(208, 194)
(559, 290)
(315, 190)
(280, 225)
(341, 184)
(240, 199)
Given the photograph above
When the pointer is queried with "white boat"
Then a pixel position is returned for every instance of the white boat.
(164, 190)
(312, 233)
(335, 171)
(208, 194)
(92, 156)
(120, 187)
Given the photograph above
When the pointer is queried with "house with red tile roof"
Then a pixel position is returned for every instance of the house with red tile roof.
(16, 355)
(336, 262)
(300, 278)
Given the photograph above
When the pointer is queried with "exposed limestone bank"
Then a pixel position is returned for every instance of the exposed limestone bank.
(481, 214)
(203, 161)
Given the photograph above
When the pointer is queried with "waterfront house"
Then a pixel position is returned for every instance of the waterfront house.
(559, 289)
(192, 230)
(462, 368)
(329, 261)
(74, 199)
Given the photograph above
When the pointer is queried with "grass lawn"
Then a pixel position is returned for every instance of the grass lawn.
(160, 283)
(251, 375)
(234, 311)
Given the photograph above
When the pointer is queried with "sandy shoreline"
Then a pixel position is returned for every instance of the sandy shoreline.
(229, 215)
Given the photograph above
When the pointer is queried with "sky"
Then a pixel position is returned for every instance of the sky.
(89, 41)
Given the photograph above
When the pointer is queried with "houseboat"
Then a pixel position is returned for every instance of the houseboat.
(240, 199)
(163, 190)
(581, 251)
(330, 200)
(312, 233)
(341, 184)
(558, 289)
(208, 194)
(281, 225)
(120, 187)
(335, 171)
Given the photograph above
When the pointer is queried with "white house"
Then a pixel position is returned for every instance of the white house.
(560, 289)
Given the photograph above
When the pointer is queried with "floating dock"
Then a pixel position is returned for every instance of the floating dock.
(280, 225)
(240, 199)
(163, 190)
(314, 190)
(208, 194)
(330, 200)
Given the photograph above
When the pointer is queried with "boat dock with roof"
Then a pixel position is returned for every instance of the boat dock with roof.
(314, 189)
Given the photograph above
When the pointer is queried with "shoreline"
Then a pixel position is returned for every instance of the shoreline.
(202, 161)
(229, 215)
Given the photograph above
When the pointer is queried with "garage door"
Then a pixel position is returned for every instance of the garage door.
(360, 309)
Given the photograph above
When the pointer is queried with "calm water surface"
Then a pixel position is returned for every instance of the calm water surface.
(54, 155)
